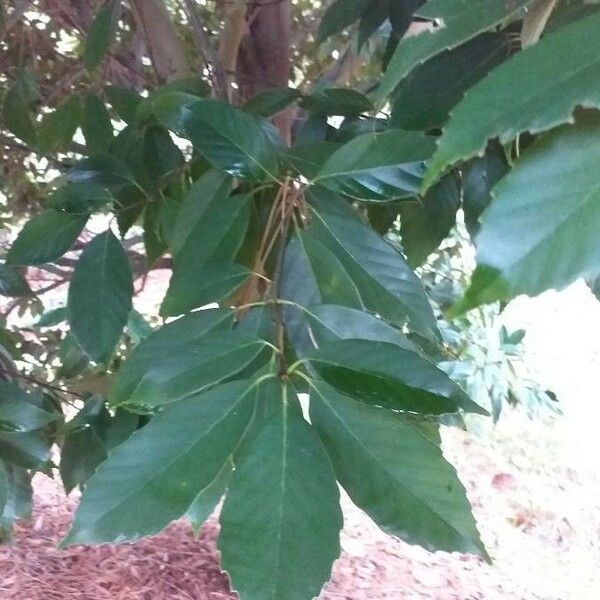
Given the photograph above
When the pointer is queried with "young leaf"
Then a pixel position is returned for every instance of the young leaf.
(231, 140)
(393, 468)
(520, 253)
(96, 125)
(153, 477)
(100, 296)
(453, 23)
(101, 34)
(45, 238)
(535, 90)
(386, 284)
(175, 339)
(281, 517)
(378, 166)
(387, 375)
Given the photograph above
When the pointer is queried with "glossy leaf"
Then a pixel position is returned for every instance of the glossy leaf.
(274, 546)
(384, 374)
(520, 253)
(101, 34)
(337, 101)
(559, 73)
(393, 468)
(308, 159)
(453, 23)
(378, 166)
(153, 477)
(45, 238)
(177, 338)
(100, 296)
(231, 140)
(386, 284)
(105, 170)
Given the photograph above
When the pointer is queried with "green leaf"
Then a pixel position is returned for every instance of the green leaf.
(339, 16)
(211, 359)
(479, 178)
(105, 170)
(17, 498)
(308, 159)
(100, 296)
(329, 323)
(80, 198)
(378, 166)
(96, 125)
(19, 411)
(12, 284)
(25, 449)
(202, 285)
(177, 338)
(344, 102)
(270, 102)
(424, 99)
(427, 221)
(153, 477)
(231, 140)
(202, 270)
(393, 468)
(213, 187)
(520, 253)
(16, 107)
(559, 73)
(386, 284)
(124, 101)
(387, 375)
(453, 23)
(45, 238)
(281, 517)
(101, 34)
(206, 501)
(58, 127)
(172, 109)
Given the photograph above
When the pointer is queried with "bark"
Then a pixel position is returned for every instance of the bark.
(164, 46)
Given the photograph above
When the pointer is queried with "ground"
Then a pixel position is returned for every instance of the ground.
(535, 489)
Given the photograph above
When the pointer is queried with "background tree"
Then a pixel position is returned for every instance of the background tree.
(293, 163)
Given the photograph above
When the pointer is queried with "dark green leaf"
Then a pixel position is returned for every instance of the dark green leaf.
(339, 16)
(337, 101)
(270, 102)
(124, 101)
(386, 284)
(16, 107)
(559, 73)
(427, 221)
(175, 339)
(101, 34)
(96, 125)
(231, 140)
(20, 412)
(393, 468)
(518, 252)
(372, 18)
(479, 177)
(25, 449)
(387, 375)
(153, 477)
(424, 99)
(100, 296)
(12, 284)
(58, 127)
(308, 159)
(82, 198)
(198, 286)
(105, 170)
(281, 517)
(453, 24)
(378, 166)
(45, 238)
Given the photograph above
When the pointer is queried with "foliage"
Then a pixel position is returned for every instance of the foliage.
(267, 196)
